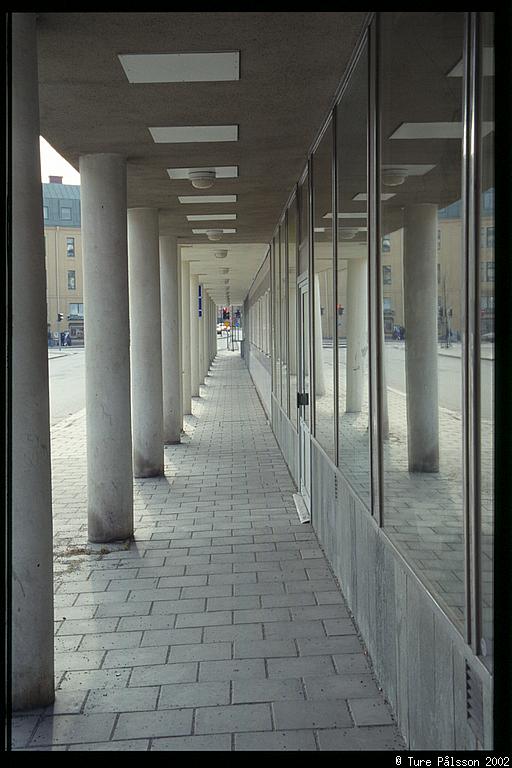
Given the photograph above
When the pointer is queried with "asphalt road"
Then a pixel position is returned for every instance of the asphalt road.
(67, 382)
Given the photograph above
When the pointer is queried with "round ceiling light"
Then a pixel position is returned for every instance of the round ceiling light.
(393, 177)
(214, 234)
(221, 254)
(202, 179)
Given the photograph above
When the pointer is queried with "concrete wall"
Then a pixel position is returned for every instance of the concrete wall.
(418, 656)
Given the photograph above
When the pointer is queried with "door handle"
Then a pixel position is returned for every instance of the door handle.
(302, 399)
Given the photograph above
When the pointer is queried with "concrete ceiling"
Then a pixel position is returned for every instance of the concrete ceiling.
(290, 63)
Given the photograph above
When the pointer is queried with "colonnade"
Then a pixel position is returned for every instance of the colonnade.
(149, 346)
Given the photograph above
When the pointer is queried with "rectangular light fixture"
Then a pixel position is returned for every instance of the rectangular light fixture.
(188, 134)
(435, 130)
(181, 67)
(212, 217)
(221, 171)
(207, 198)
(384, 196)
(357, 215)
(204, 231)
(487, 62)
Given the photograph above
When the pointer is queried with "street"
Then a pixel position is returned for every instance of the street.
(67, 382)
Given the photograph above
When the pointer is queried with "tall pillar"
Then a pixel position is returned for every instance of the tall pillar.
(171, 366)
(420, 318)
(206, 339)
(107, 351)
(194, 336)
(319, 360)
(32, 567)
(146, 342)
(357, 333)
(200, 349)
(185, 335)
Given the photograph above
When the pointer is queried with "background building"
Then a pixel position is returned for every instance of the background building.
(63, 255)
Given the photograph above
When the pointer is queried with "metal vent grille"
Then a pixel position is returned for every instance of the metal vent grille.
(474, 703)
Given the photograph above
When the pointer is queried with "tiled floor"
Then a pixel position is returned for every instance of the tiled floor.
(221, 627)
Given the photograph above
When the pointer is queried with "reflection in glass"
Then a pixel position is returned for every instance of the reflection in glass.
(352, 288)
(486, 320)
(421, 96)
(323, 293)
(276, 357)
(291, 224)
(283, 304)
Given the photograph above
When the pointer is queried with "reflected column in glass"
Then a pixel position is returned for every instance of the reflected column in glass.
(421, 97)
(323, 293)
(352, 279)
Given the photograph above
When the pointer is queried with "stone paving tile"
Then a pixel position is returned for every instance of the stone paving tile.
(311, 714)
(223, 624)
(169, 722)
(194, 695)
(361, 739)
(121, 699)
(293, 741)
(233, 719)
(215, 743)
(133, 745)
(370, 712)
(22, 729)
(247, 691)
(73, 729)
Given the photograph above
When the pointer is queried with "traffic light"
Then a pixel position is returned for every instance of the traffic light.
(59, 316)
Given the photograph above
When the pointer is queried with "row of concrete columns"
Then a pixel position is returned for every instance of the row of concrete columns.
(143, 363)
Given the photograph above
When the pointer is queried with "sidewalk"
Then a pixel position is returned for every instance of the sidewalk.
(222, 627)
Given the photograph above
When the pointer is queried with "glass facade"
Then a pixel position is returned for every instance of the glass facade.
(323, 292)
(485, 315)
(403, 124)
(352, 279)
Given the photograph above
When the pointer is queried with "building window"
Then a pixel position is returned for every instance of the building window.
(438, 239)
(489, 240)
(489, 270)
(70, 246)
(386, 244)
(77, 310)
(65, 214)
(45, 211)
(386, 304)
(71, 280)
(438, 273)
(386, 274)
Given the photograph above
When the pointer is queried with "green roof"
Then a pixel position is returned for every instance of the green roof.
(68, 191)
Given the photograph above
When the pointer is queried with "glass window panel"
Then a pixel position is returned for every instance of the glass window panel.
(277, 317)
(284, 318)
(65, 214)
(323, 293)
(486, 294)
(70, 246)
(292, 308)
(71, 280)
(303, 226)
(421, 213)
(352, 281)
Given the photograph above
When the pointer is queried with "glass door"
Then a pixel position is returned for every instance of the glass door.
(303, 395)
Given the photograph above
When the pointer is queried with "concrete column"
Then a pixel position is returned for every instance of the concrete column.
(107, 349)
(171, 366)
(319, 360)
(32, 557)
(146, 342)
(206, 345)
(420, 318)
(357, 332)
(185, 334)
(194, 337)
(200, 349)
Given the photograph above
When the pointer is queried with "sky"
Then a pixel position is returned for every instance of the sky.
(52, 164)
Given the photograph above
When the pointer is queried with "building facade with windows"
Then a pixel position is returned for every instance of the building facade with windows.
(63, 259)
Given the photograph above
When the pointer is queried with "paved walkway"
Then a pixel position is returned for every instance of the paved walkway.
(222, 627)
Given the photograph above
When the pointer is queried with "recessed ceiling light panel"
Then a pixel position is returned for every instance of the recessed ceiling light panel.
(384, 196)
(212, 217)
(188, 134)
(204, 231)
(207, 198)
(181, 67)
(435, 130)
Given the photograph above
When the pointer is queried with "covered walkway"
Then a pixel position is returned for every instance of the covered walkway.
(222, 626)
